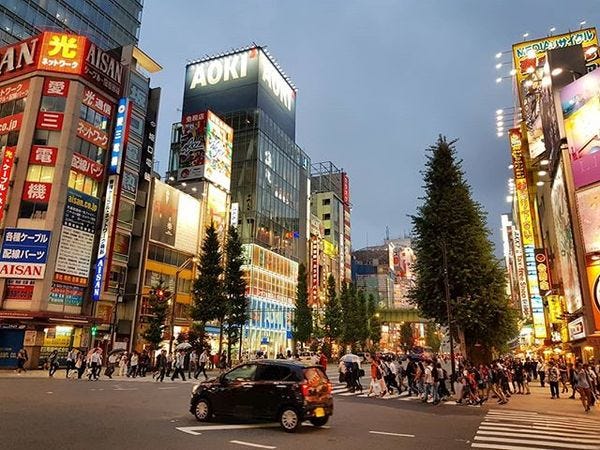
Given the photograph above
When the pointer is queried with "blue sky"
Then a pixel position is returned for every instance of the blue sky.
(378, 81)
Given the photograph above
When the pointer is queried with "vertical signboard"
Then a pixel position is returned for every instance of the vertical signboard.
(192, 148)
(219, 147)
(119, 137)
(8, 159)
(521, 274)
(104, 236)
(543, 271)
(526, 226)
(314, 270)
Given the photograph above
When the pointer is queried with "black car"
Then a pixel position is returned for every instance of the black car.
(287, 391)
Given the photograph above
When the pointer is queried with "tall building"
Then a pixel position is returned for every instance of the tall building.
(109, 24)
(269, 179)
(373, 271)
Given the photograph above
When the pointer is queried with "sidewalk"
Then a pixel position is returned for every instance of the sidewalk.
(540, 402)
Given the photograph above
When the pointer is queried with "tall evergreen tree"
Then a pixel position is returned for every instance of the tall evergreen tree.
(374, 321)
(362, 319)
(159, 305)
(450, 222)
(208, 292)
(333, 312)
(303, 319)
(235, 289)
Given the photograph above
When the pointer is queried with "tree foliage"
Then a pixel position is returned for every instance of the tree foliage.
(159, 306)
(208, 293)
(237, 313)
(302, 323)
(432, 337)
(407, 339)
(333, 312)
(449, 218)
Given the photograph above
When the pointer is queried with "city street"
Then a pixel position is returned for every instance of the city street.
(146, 414)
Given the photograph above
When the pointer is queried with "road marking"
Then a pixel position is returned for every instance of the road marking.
(506, 447)
(534, 435)
(385, 433)
(165, 388)
(125, 389)
(198, 429)
(549, 443)
(533, 429)
(49, 392)
(250, 444)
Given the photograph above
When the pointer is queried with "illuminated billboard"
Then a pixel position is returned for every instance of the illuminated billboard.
(565, 255)
(192, 148)
(243, 79)
(219, 147)
(529, 60)
(175, 218)
(580, 102)
(215, 210)
(588, 206)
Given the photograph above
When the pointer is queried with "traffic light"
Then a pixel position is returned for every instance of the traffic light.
(94, 330)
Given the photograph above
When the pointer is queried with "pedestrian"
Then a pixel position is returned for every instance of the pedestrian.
(161, 365)
(562, 368)
(52, 362)
(22, 358)
(123, 365)
(202, 361)
(110, 366)
(375, 386)
(179, 363)
(496, 375)
(96, 364)
(193, 364)
(541, 370)
(323, 360)
(143, 362)
(581, 377)
(443, 391)
(553, 379)
(71, 355)
(133, 365)
(80, 364)
(572, 379)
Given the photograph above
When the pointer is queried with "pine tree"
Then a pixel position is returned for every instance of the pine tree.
(208, 292)
(303, 319)
(235, 290)
(333, 312)
(159, 305)
(449, 221)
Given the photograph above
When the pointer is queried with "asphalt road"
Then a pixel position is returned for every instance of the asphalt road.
(70, 414)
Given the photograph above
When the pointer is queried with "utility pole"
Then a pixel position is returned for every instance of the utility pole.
(448, 310)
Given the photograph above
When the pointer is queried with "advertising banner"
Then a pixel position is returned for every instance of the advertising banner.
(580, 102)
(576, 329)
(97, 102)
(90, 133)
(588, 206)
(219, 147)
(19, 289)
(119, 136)
(109, 204)
(37, 192)
(52, 121)
(543, 271)
(86, 166)
(62, 52)
(14, 91)
(24, 253)
(102, 69)
(129, 183)
(565, 255)
(8, 159)
(64, 294)
(593, 273)
(55, 87)
(192, 150)
(521, 274)
(43, 155)
(80, 211)
(11, 123)
(188, 219)
(216, 210)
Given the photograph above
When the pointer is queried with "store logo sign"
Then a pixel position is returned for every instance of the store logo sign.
(220, 70)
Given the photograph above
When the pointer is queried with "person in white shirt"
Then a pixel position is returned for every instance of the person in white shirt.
(202, 361)
(96, 364)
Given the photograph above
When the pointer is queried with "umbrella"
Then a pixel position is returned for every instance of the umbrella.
(350, 357)
(183, 346)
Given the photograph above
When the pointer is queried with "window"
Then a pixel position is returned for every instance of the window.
(327, 216)
(244, 373)
(30, 210)
(51, 103)
(327, 231)
(267, 372)
(46, 137)
(43, 174)
(88, 150)
(12, 107)
(126, 212)
(82, 183)
(326, 201)
(9, 139)
(93, 117)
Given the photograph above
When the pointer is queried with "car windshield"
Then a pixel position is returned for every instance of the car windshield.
(242, 373)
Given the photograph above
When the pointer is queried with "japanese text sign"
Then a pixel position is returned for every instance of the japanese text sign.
(43, 155)
(37, 192)
(90, 133)
(5, 172)
(62, 52)
(56, 87)
(22, 245)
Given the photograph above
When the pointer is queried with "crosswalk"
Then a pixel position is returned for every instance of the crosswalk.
(340, 390)
(521, 430)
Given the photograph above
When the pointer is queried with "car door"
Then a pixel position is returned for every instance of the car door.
(272, 386)
(234, 394)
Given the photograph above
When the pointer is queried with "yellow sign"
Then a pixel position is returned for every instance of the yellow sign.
(62, 52)
(329, 249)
(555, 308)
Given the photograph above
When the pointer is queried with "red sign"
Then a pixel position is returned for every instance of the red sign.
(345, 189)
(19, 289)
(42, 155)
(97, 102)
(86, 166)
(49, 120)
(37, 192)
(92, 134)
(70, 279)
(5, 170)
(14, 91)
(56, 87)
(61, 52)
(11, 123)
(19, 58)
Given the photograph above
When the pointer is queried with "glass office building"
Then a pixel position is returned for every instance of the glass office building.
(108, 23)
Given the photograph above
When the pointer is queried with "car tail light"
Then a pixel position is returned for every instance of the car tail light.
(304, 387)
(329, 387)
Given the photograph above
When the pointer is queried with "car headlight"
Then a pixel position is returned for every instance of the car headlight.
(195, 389)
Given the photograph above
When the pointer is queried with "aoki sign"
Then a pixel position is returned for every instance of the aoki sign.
(221, 70)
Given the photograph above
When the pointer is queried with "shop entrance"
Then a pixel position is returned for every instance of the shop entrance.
(11, 341)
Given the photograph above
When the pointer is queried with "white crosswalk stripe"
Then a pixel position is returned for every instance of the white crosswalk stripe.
(340, 390)
(516, 430)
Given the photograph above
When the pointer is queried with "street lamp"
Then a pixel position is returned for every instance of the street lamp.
(180, 269)
(448, 311)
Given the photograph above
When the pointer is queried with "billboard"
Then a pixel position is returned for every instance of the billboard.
(565, 255)
(175, 218)
(244, 79)
(24, 253)
(529, 61)
(109, 205)
(588, 206)
(120, 135)
(219, 147)
(580, 102)
(8, 159)
(192, 149)
(215, 210)
(593, 273)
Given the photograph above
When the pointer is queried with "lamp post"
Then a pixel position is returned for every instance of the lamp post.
(448, 310)
(180, 269)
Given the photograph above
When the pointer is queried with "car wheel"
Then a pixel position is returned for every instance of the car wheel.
(319, 421)
(202, 410)
(289, 419)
